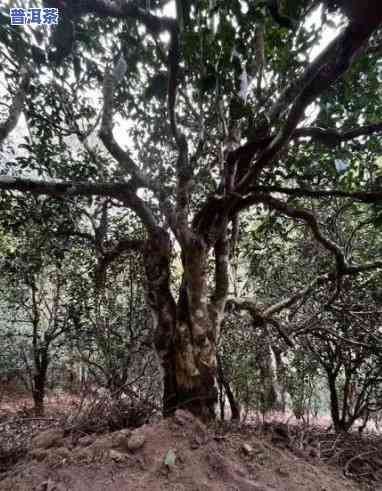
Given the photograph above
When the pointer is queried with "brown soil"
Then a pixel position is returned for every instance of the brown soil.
(177, 454)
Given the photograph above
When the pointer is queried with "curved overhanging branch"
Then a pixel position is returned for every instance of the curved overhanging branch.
(309, 218)
(299, 295)
(60, 189)
(17, 105)
(361, 196)
(263, 315)
(343, 268)
(363, 268)
(332, 137)
(259, 319)
(248, 304)
(67, 189)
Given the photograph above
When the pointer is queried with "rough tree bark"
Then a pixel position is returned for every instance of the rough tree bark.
(163, 308)
(185, 331)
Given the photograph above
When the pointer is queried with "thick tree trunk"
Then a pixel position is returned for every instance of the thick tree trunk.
(185, 332)
(195, 346)
(163, 308)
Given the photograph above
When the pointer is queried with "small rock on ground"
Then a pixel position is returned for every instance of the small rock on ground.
(136, 441)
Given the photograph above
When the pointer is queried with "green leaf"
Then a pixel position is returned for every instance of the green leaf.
(170, 458)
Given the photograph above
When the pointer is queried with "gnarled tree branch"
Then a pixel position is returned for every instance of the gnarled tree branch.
(362, 196)
(300, 294)
(67, 189)
(331, 137)
(257, 314)
(325, 70)
(343, 268)
(123, 158)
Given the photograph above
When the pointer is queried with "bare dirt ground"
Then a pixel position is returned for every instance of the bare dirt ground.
(182, 454)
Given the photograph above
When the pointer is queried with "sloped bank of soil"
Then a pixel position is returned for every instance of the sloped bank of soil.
(177, 454)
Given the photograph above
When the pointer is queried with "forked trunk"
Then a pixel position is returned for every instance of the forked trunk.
(185, 332)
